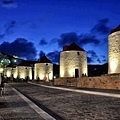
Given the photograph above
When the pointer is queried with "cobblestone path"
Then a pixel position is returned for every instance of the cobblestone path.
(72, 105)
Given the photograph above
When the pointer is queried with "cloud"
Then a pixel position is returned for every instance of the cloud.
(89, 60)
(96, 36)
(8, 29)
(67, 38)
(43, 42)
(101, 27)
(20, 47)
(92, 53)
(93, 57)
(83, 39)
(54, 56)
(88, 39)
(103, 58)
(8, 4)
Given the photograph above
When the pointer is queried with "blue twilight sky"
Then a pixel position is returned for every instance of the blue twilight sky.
(31, 28)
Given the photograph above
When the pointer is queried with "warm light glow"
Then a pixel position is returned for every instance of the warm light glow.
(71, 72)
(50, 76)
(22, 75)
(8, 73)
(61, 73)
(85, 71)
(1, 70)
(35, 74)
(43, 71)
(15, 75)
(113, 65)
(30, 76)
(41, 76)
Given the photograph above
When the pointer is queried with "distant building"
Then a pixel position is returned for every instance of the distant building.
(24, 70)
(114, 51)
(43, 69)
(73, 61)
(10, 71)
(20, 71)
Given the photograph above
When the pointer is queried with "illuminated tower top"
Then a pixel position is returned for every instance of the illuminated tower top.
(73, 46)
(44, 59)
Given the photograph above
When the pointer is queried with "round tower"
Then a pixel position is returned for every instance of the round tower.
(73, 61)
(43, 69)
(114, 51)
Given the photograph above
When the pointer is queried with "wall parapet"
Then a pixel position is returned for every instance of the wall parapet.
(66, 81)
(111, 81)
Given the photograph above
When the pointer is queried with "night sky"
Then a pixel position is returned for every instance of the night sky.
(31, 28)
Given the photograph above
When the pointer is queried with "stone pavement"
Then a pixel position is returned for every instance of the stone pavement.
(73, 105)
(69, 105)
(13, 107)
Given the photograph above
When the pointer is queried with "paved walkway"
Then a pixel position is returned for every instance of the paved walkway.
(14, 106)
(107, 93)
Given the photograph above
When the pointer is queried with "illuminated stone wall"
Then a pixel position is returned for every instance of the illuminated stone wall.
(9, 71)
(114, 53)
(24, 71)
(111, 81)
(71, 60)
(44, 71)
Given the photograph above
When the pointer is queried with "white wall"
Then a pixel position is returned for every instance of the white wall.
(24, 71)
(44, 71)
(114, 53)
(71, 60)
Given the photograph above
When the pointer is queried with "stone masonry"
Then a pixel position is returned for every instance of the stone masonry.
(71, 60)
(114, 53)
(111, 81)
(43, 70)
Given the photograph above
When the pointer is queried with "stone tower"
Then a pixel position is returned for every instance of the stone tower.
(43, 69)
(114, 51)
(73, 61)
(23, 70)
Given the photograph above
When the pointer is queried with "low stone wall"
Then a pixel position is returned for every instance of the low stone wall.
(111, 81)
(66, 81)
(103, 82)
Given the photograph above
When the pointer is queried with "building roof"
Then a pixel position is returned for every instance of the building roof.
(24, 63)
(11, 65)
(72, 46)
(115, 30)
(44, 59)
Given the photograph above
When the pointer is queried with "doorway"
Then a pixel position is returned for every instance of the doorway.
(76, 73)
